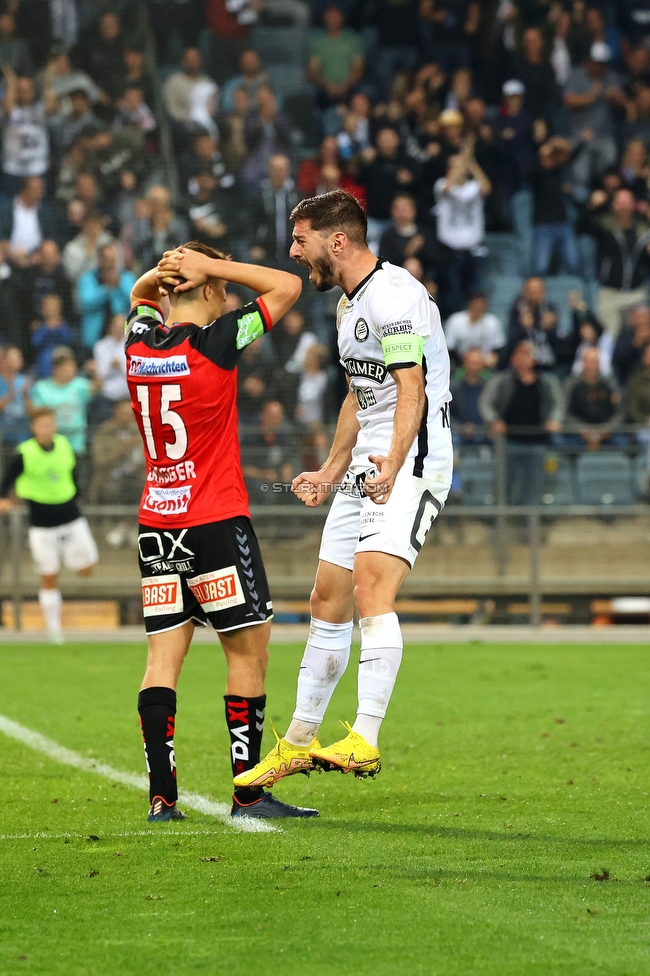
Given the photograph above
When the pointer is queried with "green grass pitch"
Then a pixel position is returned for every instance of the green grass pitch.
(512, 775)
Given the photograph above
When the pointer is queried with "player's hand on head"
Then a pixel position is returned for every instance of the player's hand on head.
(183, 269)
(378, 489)
(6, 505)
(311, 487)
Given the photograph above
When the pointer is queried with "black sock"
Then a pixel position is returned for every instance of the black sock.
(245, 721)
(157, 708)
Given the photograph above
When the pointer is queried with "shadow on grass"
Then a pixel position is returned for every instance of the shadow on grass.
(459, 833)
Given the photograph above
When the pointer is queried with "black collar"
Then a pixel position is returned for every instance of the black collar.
(355, 291)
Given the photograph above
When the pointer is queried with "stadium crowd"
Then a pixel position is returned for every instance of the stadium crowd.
(501, 152)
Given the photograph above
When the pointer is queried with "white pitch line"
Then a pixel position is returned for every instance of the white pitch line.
(194, 801)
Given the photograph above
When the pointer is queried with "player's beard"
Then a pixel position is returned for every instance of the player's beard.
(322, 273)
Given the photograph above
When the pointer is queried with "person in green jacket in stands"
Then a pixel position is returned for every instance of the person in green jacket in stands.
(42, 474)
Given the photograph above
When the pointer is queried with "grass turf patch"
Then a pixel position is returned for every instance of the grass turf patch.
(514, 777)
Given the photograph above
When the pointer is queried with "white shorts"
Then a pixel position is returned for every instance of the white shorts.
(71, 544)
(398, 528)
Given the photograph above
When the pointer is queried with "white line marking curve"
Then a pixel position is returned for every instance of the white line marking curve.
(193, 801)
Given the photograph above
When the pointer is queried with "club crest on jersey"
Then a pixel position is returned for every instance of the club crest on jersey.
(361, 330)
(153, 366)
(368, 368)
(167, 501)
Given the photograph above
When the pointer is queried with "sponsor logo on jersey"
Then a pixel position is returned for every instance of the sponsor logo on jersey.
(150, 366)
(161, 595)
(397, 328)
(176, 472)
(218, 590)
(249, 328)
(361, 330)
(167, 501)
(368, 368)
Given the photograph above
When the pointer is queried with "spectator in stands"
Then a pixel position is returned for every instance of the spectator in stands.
(206, 154)
(448, 30)
(638, 117)
(103, 52)
(134, 113)
(106, 289)
(66, 126)
(136, 74)
(636, 404)
(256, 384)
(460, 223)
(112, 153)
(591, 93)
(553, 231)
(533, 319)
(47, 277)
(250, 78)
(80, 255)
(267, 131)
(110, 369)
(68, 395)
(229, 34)
(211, 217)
(588, 333)
(631, 343)
(397, 33)
(270, 213)
(533, 68)
(514, 130)
(309, 179)
(178, 90)
(466, 390)
(336, 62)
(61, 79)
(268, 455)
(25, 143)
(385, 171)
(622, 258)
(14, 403)
(290, 343)
(52, 332)
(526, 406)
(592, 402)
(118, 461)
(14, 52)
(475, 329)
(312, 392)
(407, 238)
(635, 172)
(159, 228)
(27, 220)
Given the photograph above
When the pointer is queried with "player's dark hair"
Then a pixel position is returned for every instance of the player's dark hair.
(334, 211)
(210, 252)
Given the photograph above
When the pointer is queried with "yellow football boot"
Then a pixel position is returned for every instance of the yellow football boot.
(351, 755)
(284, 759)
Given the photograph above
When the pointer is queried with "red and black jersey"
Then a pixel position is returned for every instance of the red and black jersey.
(183, 385)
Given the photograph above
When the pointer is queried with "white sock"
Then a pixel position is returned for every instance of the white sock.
(325, 659)
(381, 656)
(50, 602)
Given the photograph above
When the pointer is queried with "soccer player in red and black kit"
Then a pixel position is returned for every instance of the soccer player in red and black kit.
(199, 558)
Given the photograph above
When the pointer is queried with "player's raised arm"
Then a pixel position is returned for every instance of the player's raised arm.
(146, 288)
(313, 487)
(277, 289)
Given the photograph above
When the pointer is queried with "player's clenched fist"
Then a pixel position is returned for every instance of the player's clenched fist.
(378, 489)
(312, 487)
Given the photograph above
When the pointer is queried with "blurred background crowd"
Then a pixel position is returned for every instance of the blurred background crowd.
(500, 149)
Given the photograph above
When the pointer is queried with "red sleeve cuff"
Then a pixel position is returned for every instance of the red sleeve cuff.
(268, 321)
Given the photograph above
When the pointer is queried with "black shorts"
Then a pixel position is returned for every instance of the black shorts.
(206, 572)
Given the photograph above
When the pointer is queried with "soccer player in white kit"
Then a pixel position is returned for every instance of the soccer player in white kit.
(391, 462)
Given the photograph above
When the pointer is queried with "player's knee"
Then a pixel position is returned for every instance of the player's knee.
(370, 598)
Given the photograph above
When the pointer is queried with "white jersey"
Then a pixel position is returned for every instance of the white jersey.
(389, 321)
